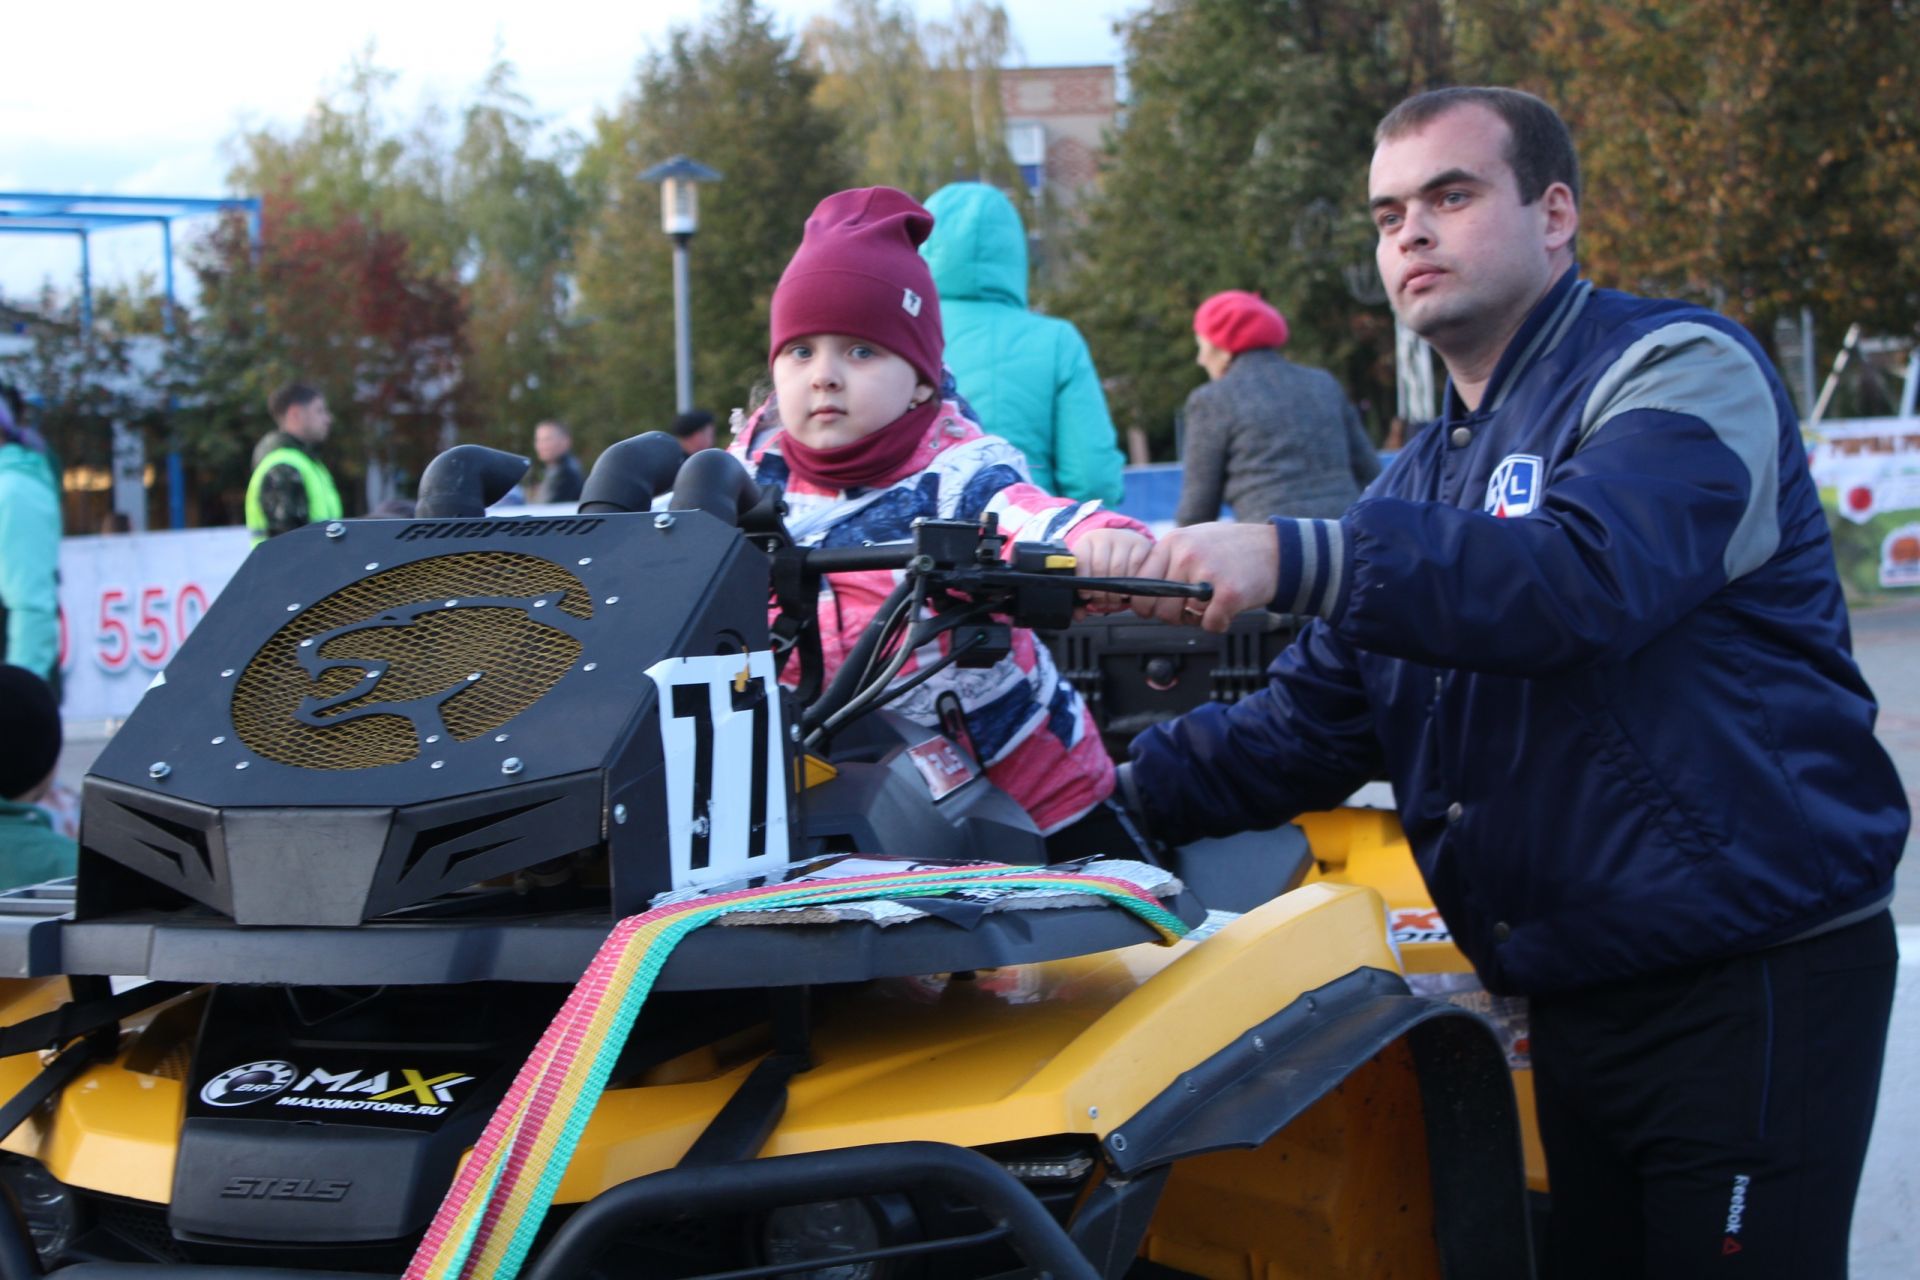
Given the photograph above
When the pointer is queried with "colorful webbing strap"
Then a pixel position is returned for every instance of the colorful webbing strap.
(487, 1223)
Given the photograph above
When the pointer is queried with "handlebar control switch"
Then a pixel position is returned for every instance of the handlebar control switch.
(1046, 602)
(985, 643)
(952, 544)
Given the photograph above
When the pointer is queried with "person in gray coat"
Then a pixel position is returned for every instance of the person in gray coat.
(1271, 437)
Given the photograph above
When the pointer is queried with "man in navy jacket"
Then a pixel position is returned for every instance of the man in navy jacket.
(1588, 625)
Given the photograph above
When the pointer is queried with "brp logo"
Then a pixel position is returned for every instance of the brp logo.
(249, 1082)
(1514, 489)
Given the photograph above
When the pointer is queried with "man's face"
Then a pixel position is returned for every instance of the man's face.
(1462, 259)
(551, 442)
(701, 439)
(309, 422)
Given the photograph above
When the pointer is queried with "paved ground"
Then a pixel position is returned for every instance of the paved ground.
(1887, 642)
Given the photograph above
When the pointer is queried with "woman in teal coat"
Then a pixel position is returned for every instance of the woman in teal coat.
(1030, 378)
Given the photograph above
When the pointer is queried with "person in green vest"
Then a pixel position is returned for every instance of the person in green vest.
(30, 849)
(290, 485)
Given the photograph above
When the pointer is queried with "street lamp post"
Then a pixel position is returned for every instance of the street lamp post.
(679, 180)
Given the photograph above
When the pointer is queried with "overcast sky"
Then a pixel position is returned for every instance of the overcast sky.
(129, 97)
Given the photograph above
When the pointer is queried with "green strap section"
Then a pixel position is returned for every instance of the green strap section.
(323, 500)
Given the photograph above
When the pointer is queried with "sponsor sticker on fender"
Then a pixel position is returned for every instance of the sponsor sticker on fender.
(1417, 924)
(942, 766)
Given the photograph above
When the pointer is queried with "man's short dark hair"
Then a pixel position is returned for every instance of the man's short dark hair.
(294, 393)
(691, 423)
(1539, 147)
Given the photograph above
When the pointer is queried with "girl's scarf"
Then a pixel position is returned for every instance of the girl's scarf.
(883, 456)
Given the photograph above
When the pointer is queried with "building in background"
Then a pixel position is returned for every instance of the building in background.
(1057, 121)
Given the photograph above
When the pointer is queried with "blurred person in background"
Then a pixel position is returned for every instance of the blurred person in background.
(1271, 437)
(694, 430)
(29, 548)
(560, 478)
(1028, 378)
(291, 487)
(30, 849)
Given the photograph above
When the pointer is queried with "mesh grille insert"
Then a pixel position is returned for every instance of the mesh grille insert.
(506, 616)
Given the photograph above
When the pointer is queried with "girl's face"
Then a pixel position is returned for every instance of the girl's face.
(834, 390)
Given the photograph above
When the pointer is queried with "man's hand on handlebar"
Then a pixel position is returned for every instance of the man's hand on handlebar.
(1242, 561)
(1108, 553)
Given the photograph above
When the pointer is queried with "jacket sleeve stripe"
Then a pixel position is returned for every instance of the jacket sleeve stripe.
(1313, 567)
(1694, 369)
(1309, 568)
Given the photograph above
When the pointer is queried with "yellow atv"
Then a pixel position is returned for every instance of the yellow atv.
(351, 853)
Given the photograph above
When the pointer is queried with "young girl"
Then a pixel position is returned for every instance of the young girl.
(866, 436)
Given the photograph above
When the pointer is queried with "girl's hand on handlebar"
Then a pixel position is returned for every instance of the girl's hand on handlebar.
(1108, 553)
(1242, 561)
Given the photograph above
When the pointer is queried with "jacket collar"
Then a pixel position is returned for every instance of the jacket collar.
(1537, 336)
(1254, 359)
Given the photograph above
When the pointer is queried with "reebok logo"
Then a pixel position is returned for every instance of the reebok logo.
(1736, 1215)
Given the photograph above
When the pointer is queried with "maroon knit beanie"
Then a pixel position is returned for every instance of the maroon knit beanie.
(1237, 321)
(858, 271)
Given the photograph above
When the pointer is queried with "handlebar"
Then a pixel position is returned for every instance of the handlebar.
(898, 555)
(955, 570)
(1126, 586)
(887, 555)
(715, 482)
(630, 472)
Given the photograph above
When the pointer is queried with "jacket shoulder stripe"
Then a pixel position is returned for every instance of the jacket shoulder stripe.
(1702, 372)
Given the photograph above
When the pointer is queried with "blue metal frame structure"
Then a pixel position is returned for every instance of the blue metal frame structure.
(58, 213)
(45, 213)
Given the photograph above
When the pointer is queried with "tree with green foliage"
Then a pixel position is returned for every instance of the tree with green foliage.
(349, 158)
(351, 288)
(734, 95)
(1755, 157)
(517, 212)
(1242, 164)
(920, 101)
(341, 304)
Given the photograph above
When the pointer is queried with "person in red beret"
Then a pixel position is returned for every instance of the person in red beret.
(1266, 435)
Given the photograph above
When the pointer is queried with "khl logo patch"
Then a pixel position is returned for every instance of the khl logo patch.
(1514, 489)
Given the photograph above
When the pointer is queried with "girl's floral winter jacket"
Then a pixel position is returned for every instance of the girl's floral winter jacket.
(1029, 727)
